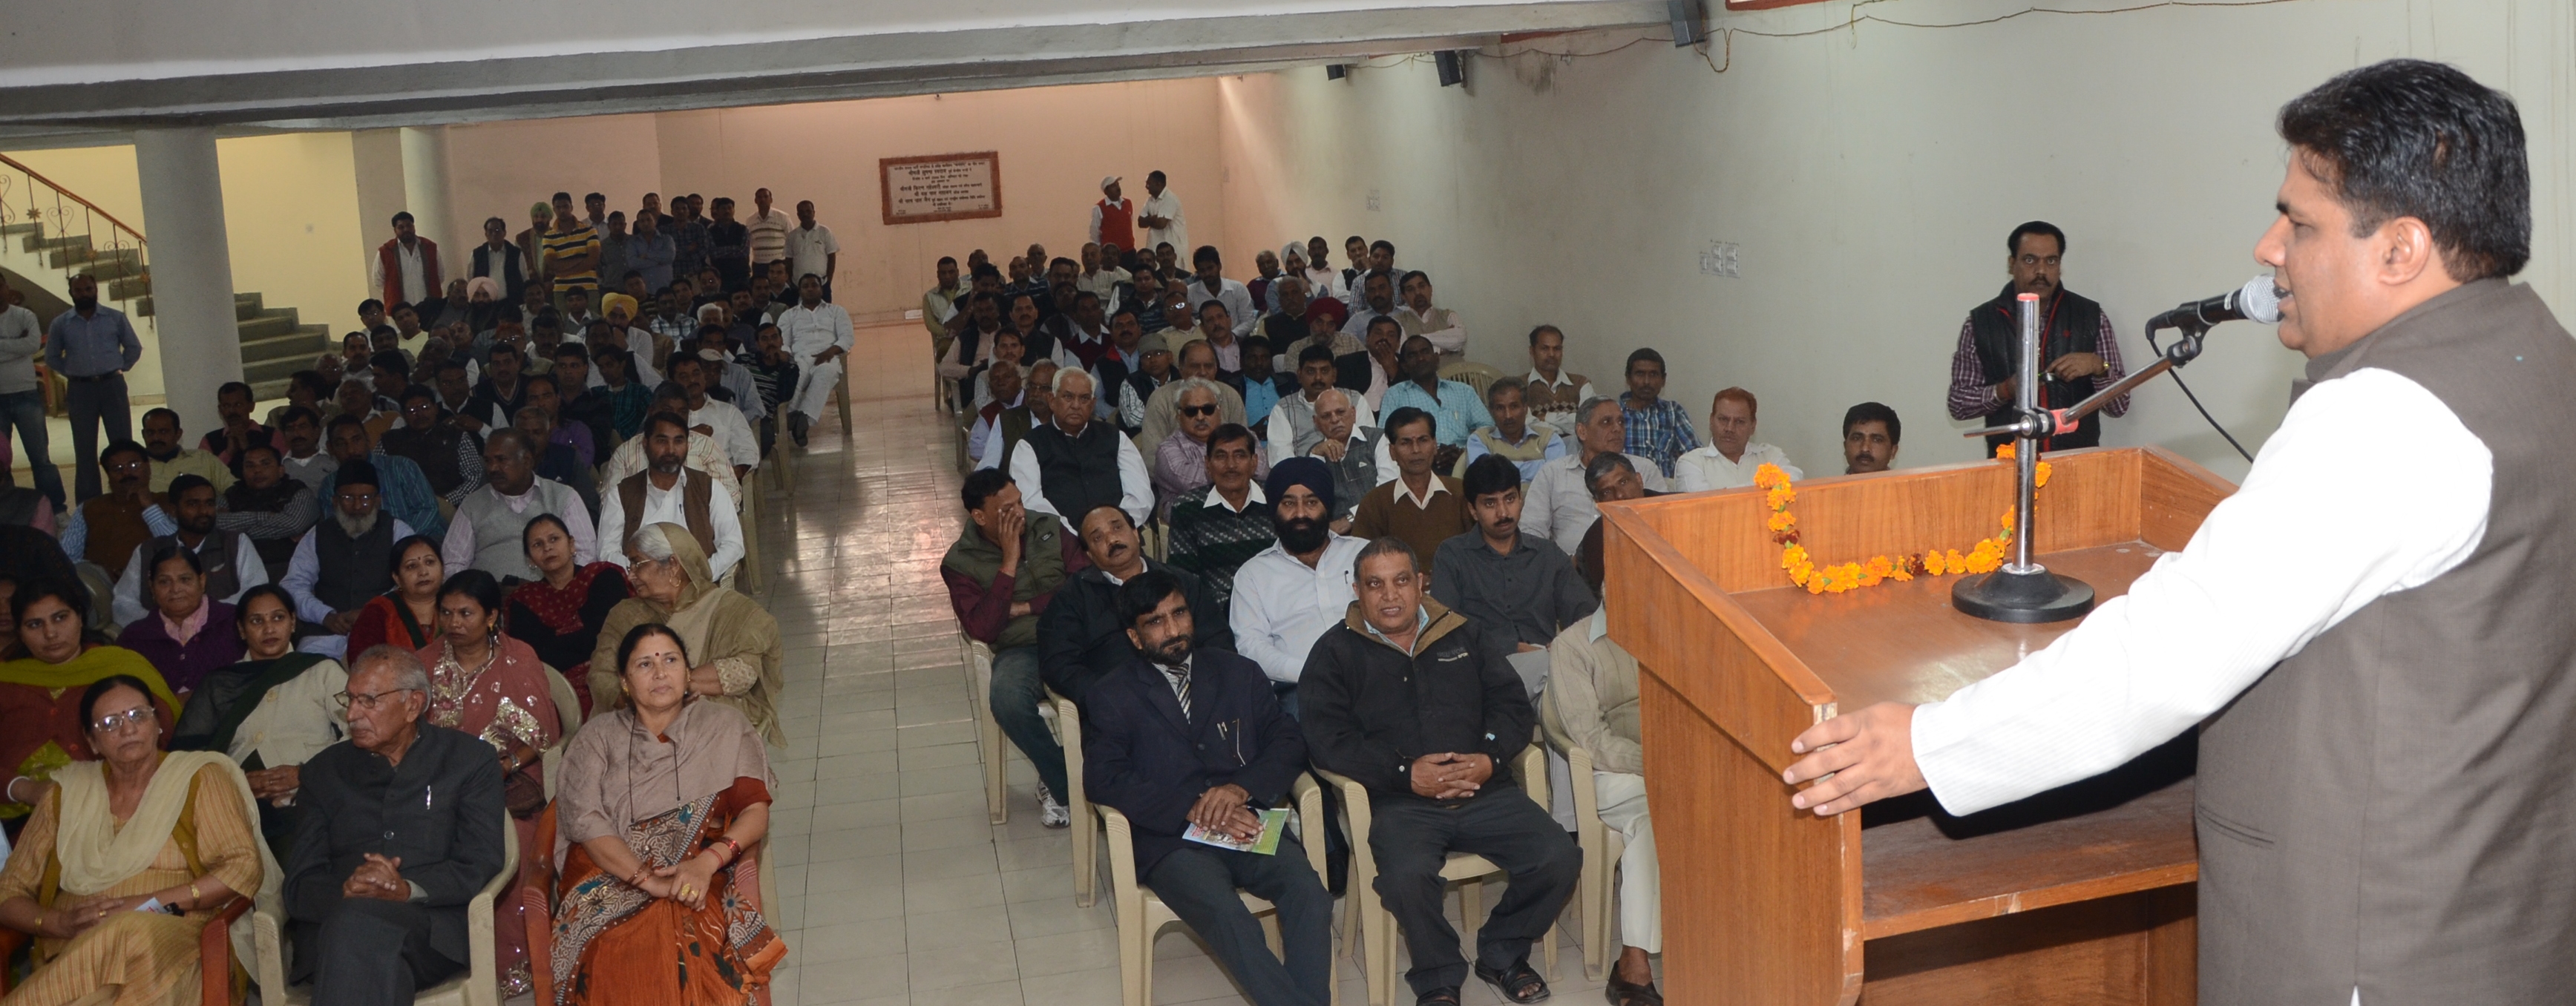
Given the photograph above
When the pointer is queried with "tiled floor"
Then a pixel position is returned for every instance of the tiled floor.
(894, 890)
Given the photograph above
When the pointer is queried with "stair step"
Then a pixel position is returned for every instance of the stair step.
(268, 391)
(278, 370)
(131, 288)
(301, 342)
(105, 269)
(49, 244)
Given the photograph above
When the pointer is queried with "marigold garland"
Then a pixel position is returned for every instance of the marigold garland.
(1985, 557)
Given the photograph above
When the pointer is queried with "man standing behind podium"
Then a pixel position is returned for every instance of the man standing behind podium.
(2076, 346)
(2383, 810)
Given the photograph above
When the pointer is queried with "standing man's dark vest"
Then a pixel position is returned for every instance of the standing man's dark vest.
(1077, 473)
(353, 570)
(2068, 324)
(2390, 808)
(694, 497)
(216, 556)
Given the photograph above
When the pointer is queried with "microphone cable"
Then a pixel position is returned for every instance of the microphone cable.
(2176, 374)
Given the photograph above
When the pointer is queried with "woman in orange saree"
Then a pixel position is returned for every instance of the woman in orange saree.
(658, 802)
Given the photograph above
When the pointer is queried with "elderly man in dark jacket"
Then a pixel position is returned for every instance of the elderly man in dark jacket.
(402, 827)
(1081, 637)
(1178, 736)
(1421, 705)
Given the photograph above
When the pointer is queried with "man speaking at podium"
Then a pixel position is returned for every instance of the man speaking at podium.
(2380, 652)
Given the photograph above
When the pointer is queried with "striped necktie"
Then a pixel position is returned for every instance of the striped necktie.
(1180, 679)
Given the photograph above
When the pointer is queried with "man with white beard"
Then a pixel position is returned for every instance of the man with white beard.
(344, 562)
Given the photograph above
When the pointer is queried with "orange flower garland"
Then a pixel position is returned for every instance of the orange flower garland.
(1985, 557)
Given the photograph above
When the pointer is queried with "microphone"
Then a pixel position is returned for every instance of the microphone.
(2258, 300)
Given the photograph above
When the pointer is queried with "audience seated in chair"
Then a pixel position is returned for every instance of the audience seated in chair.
(1180, 461)
(1518, 586)
(187, 634)
(230, 562)
(449, 456)
(1291, 431)
(558, 461)
(1177, 737)
(270, 713)
(671, 490)
(630, 457)
(741, 655)
(79, 875)
(346, 561)
(42, 723)
(1420, 705)
(1220, 524)
(1002, 572)
(486, 532)
(1163, 408)
(1081, 637)
(1454, 406)
(1288, 594)
(1527, 445)
(1420, 506)
(171, 458)
(268, 507)
(1731, 457)
(658, 803)
(558, 614)
(1358, 455)
(401, 489)
(1613, 478)
(104, 530)
(402, 827)
(1591, 703)
(1073, 464)
(1558, 503)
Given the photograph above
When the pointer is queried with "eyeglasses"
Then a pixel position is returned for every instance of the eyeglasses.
(113, 722)
(365, 701)
(1198, 410)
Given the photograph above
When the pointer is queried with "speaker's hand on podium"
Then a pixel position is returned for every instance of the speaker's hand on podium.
(1856, 758)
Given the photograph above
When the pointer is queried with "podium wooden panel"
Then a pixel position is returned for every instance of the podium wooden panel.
(1767, 906)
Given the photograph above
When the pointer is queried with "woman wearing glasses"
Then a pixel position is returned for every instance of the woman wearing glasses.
(128, 857)
(42, 727)
(660, 802)
(270, 712)
(492, 686)
(741, 660)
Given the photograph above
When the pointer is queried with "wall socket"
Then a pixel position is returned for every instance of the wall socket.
(1722, 258)
(1373, 204)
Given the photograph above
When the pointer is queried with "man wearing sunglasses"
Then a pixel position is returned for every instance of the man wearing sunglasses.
(402, 829)
(1180, 461)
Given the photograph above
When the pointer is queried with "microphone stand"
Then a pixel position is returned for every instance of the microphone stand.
(2023, 591)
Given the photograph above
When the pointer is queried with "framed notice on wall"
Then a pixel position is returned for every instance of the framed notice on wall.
(935, 187)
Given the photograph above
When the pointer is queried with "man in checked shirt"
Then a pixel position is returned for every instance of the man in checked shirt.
(2078, 350)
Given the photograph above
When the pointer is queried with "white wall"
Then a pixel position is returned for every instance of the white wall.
(1870, 175)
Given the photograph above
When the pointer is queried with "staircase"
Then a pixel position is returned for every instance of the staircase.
(46, 238)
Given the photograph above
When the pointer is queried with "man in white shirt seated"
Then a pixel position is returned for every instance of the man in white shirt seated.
(487, 530)
(1376, 300)
(1073, 464)
(1009, 392)
(1731, 457)
(345, 561)
(1208, 282)
(1559, 507)
(231, 564)
(715, 418)
(1291, 431)
(664, 493)
(704, 456)
(1288, 594)
(818, 334)
(1447, 331)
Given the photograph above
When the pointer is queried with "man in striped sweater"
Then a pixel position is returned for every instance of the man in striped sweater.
(1217, 527)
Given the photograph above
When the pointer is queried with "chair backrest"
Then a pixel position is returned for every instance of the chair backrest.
(567, 701)
(1474, 375)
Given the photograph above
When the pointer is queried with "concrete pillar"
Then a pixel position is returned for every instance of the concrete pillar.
(379, 161)
(424, 179)
(192, 273)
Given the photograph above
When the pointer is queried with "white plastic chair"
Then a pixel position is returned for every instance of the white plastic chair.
(988, 731)
(1602, 847)
(1086, 863)
(480, 985)
(1375, 926)
(568, 712)
(1142, 916)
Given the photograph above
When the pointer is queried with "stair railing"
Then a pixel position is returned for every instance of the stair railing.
(29, 197)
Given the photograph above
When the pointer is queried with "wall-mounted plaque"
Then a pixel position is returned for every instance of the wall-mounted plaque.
(920, 190)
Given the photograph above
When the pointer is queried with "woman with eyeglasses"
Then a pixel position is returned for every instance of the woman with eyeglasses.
(186, 635)
(42, 725)
(128, 856)
(270, 712)
(559, 613)
(660, 803)
(741, 659)
(492, 686)
(407, 615)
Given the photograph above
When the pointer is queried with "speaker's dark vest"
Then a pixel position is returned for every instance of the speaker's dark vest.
(2389, 808)
(2068, 324)
(1077, 473)
(353, 570)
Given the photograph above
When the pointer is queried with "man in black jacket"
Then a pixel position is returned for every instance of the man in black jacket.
(402, 827)
(1177, 736)
(1081, 637)
(1421, 706)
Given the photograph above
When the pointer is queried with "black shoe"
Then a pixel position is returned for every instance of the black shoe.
(1519, 983)
(1623, 994)
(796, 427)
(1437, 997)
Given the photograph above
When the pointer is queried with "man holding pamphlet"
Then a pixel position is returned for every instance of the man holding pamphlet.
(1192, 746)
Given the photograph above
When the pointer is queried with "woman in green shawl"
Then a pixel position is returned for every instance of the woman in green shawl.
(741, 660)
(40, 693)
(270, 712)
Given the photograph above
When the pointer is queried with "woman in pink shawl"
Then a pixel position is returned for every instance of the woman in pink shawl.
(494, 687)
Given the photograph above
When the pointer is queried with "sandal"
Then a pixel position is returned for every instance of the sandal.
(1624, 994)
(1437, 997)
(1518, 983)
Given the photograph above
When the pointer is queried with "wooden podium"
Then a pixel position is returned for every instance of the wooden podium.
(2065, 898)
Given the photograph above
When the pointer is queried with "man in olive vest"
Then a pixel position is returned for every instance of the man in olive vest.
(345, 561)
(1073, 464)
(490, 523)
(667, 492)
(1001, 574)
(2078, 352)
(2383, 806)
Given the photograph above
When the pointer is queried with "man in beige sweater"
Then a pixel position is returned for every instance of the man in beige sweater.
(1591, 703)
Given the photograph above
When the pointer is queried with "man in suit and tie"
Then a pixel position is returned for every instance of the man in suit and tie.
(1177, 737)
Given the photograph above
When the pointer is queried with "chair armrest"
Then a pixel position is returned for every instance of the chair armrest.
(1355, 807)
(1531, 766)
(541, 950)
(268, 937)
(11, 941)
(1122, 851)
(1310, 819)
(215, 953)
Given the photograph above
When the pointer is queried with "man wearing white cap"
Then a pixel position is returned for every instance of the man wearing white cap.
(1113, 218)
